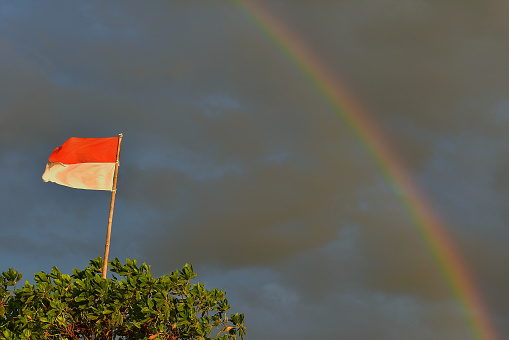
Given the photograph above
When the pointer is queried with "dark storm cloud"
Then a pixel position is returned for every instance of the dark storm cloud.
(233, 161)
(262, 211)
(437, 63)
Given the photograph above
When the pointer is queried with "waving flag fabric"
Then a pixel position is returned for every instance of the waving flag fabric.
(83, 163)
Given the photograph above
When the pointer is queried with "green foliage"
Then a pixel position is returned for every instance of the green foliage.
(133, 306)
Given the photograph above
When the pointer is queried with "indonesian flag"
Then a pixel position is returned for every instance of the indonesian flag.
(83, 163)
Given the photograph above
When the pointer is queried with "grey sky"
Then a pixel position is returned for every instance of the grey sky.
(233, 161)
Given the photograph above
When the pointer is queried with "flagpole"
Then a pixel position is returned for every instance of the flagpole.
(110, 220)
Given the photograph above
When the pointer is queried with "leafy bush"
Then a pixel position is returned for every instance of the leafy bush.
(134, 306)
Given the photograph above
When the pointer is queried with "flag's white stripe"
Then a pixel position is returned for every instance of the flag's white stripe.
(92, 176)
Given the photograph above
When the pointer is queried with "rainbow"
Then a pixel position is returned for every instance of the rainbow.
(431, 229)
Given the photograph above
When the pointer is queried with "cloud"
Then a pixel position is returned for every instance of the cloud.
(233, 160)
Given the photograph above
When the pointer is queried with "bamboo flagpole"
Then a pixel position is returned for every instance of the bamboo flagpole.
(112, 205)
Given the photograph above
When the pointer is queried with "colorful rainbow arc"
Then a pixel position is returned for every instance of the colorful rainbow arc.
(429, 226)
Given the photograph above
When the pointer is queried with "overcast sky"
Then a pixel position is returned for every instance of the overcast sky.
(234, 161)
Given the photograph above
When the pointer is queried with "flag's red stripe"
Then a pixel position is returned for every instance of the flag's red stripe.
(86, 150)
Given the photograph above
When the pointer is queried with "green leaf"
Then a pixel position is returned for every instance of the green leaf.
(136, 302)
(80, 299)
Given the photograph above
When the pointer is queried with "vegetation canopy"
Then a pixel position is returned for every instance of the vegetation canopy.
(133, 305)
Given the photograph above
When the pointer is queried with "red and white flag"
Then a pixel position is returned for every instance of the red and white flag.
(83, 163)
